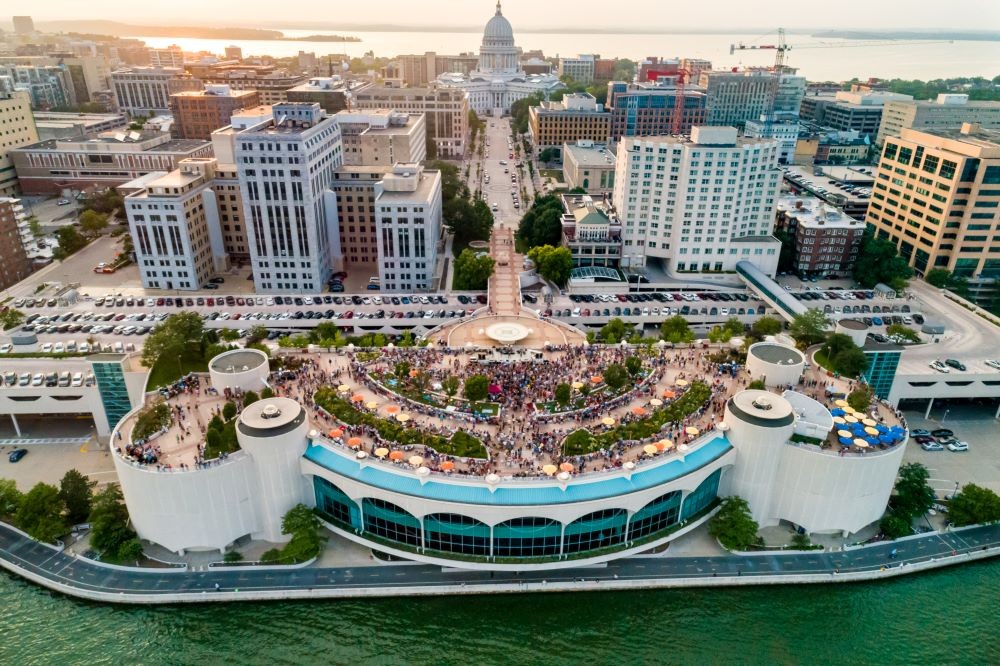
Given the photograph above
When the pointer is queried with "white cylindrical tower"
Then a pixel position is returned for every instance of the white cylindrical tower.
(776, 364)
(856, 330)
(760, 424)
(243, 369)
(274, 433)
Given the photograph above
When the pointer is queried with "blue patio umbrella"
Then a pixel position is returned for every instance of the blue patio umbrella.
(881, 428)
(837, 412)
(872, 440)
(886, 439)
(845, 441)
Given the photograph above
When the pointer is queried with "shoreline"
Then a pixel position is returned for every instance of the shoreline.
(53, 569)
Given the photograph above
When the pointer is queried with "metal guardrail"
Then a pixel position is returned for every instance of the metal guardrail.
(19, 441)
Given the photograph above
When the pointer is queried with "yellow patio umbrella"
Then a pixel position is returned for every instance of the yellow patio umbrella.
(839, 420)
(667, 444)
(577, 385)
(608, 421)
(869, 422)
(845, 433)
(649, 449)
(655, 402)
(860, 443)
(381, 452)
(871, 431)
(691, 430)
(371, 404)
(343, 388)
(550, 469)
(681, 382)
(416, 461)
(841, 403)
(402, 418)
(850, 419)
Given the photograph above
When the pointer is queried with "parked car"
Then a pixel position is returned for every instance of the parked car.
(17, 454)
(958, 447)
(942, 432)
(920, 432)
(954, 363)
(931, 446)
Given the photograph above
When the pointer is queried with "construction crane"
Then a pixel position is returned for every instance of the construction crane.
(677, 122)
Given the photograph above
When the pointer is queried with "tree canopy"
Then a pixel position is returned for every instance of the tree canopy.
(616, 376)
(553, 263)
(11, 318)
(75, 490)
(809, 327)
(476, 388)
(69, 240)
(766, 325)
(542, 224)
(974, 505)
(676, 330)
(902, 333)
(727, 331)
(178, 335)
(472, 271)
(734, 525)
(878, 261)
(615, 331)
(92, 222)
(41, 513)
(912, 499)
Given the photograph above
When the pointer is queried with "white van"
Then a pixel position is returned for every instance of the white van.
(77, 379)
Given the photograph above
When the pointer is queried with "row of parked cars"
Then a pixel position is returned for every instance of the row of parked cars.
(117, 323)
(333, 314)
(50, 379)
(938, 440)
(659, 296)
(950, 364)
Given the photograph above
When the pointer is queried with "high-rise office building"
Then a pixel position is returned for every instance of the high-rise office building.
(23, 25)
(408, 227)
(284, 168)
(446, 111)
(648, 109)
(199, 113)
(576, 117)
(947, 111)
(171, 56)
(381, 137)
(14, 262)
(354, 187)
(700, 205)
(733, 98)
(144, 91)
(937, 197)
(18, 130)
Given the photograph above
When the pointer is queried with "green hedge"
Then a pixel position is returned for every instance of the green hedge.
(582, 441)
(460, 444)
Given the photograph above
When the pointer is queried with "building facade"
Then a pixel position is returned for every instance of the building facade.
(332, 93)
(354, 188)
(446, 112)
(144, 91)
(381, 137)
(699, 205)
(589, 166)
(947, 111)
(14, 262)
(171, 56)
(591, 231)
(18, 131)
(408, 227)
(581, 68)
(826, 239)
(733, 98)
(271, 85)
(284, 168)
(937, 197)
(498, 81)
(639, 109)
(578, 117)
(199, 113)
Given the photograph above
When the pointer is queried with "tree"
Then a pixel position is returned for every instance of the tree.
(615, 376)
(974, 505)
(899, 332)
(10, 498)
(268, 392)
(180, 335)
(93, 222)
(472, 271)
(937, 277)
(305, 528)
(41, 513)
(727, 331)
(809, 327)
(563, 393)
(69, 240)
(256, 334)
(151, 419)
(548, 155)
(11, 318)
(765, 326)
(519, 112)
(861, 398)
(851, 362)
(879, 261)
(634, 365)
(477, 387)
(676, 330)
(734, 525)
(249, 398)
(109, 520)
(913, 495)
(757, 385)
(76, 490)
(401, 370)
(232, 557)
(614, 331)
(229, 334)
(542, 224)
(324, 333)
(553, 263)
(450, 385)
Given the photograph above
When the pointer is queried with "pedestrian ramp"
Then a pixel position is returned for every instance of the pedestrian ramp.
(770, 291)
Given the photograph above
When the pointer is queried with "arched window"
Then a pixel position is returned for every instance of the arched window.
(335, 503)
(455, 533)
(655, 516)
(527, 537)
(390, 521)
(595, 530)
(702, 496)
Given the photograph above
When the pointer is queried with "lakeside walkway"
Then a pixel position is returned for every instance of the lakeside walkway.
(81, 578)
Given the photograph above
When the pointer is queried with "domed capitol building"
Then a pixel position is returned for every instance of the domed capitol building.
(499, 81)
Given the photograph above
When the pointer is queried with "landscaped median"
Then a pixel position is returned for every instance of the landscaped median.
(460, 444)
(582, 441)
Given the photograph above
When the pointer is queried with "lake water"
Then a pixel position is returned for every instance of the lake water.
(944, 617)
(817, 59)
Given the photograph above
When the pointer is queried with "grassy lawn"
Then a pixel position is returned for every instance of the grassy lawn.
(168, 370)
(491, 408)
(553, 407)
(555, 174)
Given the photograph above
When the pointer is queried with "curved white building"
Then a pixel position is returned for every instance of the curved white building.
(856, 330)
(239, 369)
(775, 364)
(787, 475)
(499, 81)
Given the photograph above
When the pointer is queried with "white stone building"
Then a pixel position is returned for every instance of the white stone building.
(408, 227)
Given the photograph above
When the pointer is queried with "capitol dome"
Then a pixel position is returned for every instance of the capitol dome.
(498, 28)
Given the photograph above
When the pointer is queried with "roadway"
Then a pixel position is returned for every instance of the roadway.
(62, 569)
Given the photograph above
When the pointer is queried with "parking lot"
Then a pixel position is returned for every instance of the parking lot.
(49, 462)
(979, 465)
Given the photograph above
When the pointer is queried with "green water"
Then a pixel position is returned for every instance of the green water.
(950, 616)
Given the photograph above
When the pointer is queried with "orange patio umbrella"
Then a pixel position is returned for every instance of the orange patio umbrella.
(566, 467)
(597, 379)
(392, 409)
(354, 442)
(670, 395)
(397, 455)
(447, 466)
(638, 411)
(414, 372)
(357, 397)
(335, 433)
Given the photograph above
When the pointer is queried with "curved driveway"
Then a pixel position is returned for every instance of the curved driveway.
(83, 578)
